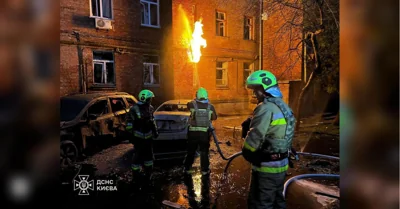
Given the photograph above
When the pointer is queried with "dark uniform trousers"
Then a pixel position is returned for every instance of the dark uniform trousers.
(266, 190)
(201, 140)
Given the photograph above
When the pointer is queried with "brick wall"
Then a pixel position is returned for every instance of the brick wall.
(232, 48)
(278, 37)
(128, 41)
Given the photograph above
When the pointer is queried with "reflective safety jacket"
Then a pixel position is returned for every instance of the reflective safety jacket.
(141, 121)
(271, 133)
(201, 115)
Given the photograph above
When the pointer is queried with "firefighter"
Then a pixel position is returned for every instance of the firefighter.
(268, 142)
(144, 130)
(199, 135)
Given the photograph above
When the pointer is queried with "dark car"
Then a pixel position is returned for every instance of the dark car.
(91, 116)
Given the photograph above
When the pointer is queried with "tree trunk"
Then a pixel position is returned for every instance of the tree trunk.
(301, 98)
(314, 44)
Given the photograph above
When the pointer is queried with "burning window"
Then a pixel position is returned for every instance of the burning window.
(248, 28)
(222, 74)
(220, 23)
(247, 70)
(151, 70)
(103, 68)
(101, 8)
(150, 13)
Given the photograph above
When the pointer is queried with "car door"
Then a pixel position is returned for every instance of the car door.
(98, 116)
(119, 110)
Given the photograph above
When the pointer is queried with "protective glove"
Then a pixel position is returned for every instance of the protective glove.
(252, 157)
(246, 127)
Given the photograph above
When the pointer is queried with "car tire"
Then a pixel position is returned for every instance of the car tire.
(68, 153)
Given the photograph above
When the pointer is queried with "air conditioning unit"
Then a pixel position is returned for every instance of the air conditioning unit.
(103, 24)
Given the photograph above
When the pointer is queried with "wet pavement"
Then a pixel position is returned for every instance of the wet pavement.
(113, 163)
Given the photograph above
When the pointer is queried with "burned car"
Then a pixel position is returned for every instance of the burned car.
(91, 117)
(172, 119)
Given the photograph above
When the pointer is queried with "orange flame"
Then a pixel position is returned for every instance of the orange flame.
(196, 42)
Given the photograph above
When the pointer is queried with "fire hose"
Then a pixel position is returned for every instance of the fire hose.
(287, 183)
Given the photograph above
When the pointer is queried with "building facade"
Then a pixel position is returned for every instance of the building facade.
(121, 45)
(113, 45)
(230, 55)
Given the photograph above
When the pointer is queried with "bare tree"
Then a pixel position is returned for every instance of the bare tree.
(313, 23)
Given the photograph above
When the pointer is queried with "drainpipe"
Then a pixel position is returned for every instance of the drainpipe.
(260, 50)
(82, 83)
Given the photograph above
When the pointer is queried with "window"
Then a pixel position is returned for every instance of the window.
(150, 13)
(130, 101)
(222, 74)
(117, 104)
(248, 28)
(99, 108)
(173, 108)
(220, 23)
(247, 70)
(101, 8)
(103, 68)
(151, 70)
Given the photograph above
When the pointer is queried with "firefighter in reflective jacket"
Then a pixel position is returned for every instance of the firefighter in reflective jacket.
(268, 142)
(141, 123)
(202, 113)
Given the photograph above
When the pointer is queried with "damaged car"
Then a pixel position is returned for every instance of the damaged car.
(91, 117)
(172, 119)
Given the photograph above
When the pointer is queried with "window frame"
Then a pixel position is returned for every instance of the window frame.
(152, 64)
(104, 63)
(109, 111)
(148, 3)
(218, 21)
(251, 29)
(101, 10)
(117, 98)
(224, 73)
(251, 70)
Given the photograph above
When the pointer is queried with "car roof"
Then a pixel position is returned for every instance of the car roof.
(92, 96)
(178, 101)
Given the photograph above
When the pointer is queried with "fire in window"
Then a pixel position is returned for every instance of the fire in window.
(103, 68)
(150, 13)
(151, 70)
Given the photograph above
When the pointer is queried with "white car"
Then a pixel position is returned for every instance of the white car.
(172, 119)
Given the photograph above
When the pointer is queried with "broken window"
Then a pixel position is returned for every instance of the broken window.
(222, 74)
(101, 8)
(248, 28)
(103, 68)
(247, 70)
(117, 104)
(99, 108)
(150, 13)
(151, 70)
(130, 102)
(220, 24)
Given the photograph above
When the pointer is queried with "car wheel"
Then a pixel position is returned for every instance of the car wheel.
(68, 153)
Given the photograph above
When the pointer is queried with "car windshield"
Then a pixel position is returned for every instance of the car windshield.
(173, 107)
(70, 108)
